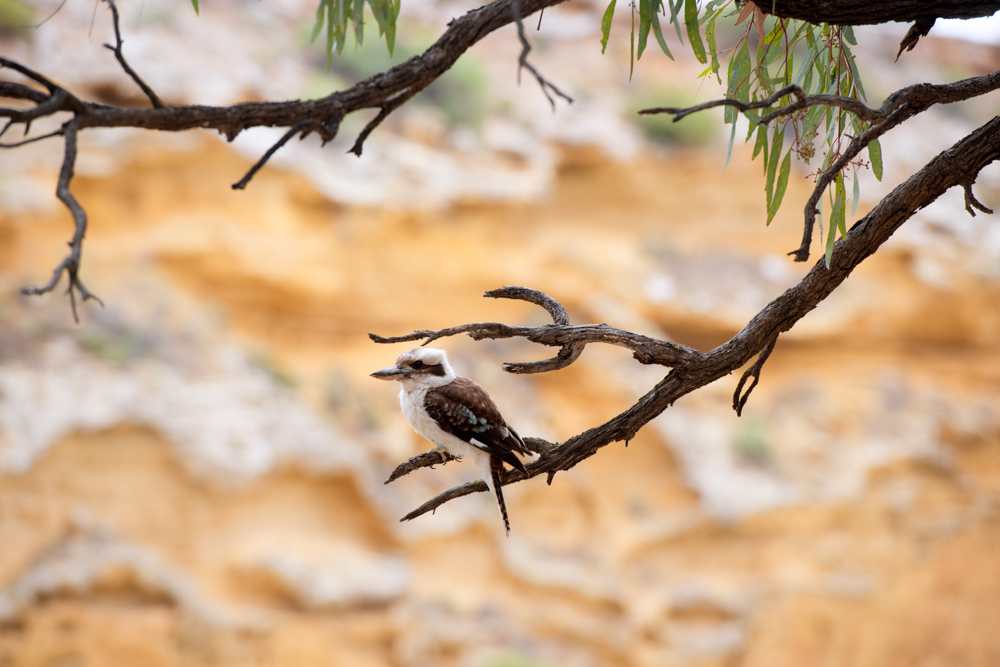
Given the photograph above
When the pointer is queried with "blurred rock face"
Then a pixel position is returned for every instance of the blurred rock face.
(194, 474)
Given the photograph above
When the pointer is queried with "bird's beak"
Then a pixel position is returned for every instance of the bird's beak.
(391, 373)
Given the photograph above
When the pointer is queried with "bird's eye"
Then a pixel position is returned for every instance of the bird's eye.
(417, 365)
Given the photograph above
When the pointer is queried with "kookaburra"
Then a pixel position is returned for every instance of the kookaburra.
(456, 414)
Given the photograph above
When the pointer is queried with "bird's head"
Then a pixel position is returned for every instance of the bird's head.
(419, 367)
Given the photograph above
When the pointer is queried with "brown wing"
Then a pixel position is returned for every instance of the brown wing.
(465, 410)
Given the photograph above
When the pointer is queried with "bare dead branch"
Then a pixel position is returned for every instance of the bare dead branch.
(426, 460)
(739, 401)
(522, 60)
(17, 91)
(919, 29)
(71, 264)
(972, 203)
(956, 166)
(385, 109)
(571, 338)
(802, 101)
(117, 49)
(327, 131)
(41, 137)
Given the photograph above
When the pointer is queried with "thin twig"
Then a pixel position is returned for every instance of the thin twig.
(522, 60)
(972, 203)
(305, 127)
(754, 371)
(32, 140)
(117, 49)
(385, 109)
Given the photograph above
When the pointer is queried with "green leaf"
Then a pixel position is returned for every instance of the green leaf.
(609, 13)
(761, 143)
(806, 67)
(675, 8)
(196, 9)
(712, 47)
(836, 218)
(329, 32)
(739, 75)
(857, 77)
(694, 36)
(659, 36)
(772, 164)
(320, 12)
(631, 44)
(875, 155)
(358, 17)
(849, 35)
(729, 151)
(855, 194)
(780, 186)
(341, 24)
(646, 13)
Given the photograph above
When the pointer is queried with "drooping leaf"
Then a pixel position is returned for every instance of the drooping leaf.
(780, 186)
(645, 23)
(761, 143)
(712, 47)
(659, 36)
(836, 218)
(196, 9)
(694, 35)
(772, 164)
(320, 13)
(675, 9)
(631, 45)
(855, 194)
(729, 150)
(358, 16)
(875, 155)
(609, 14)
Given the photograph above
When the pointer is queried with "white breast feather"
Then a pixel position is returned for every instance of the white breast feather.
(412, 403)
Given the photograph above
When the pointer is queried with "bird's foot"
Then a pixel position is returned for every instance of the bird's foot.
(445, 454)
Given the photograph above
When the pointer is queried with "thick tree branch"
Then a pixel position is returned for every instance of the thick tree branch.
(957, 166)
(865, 12)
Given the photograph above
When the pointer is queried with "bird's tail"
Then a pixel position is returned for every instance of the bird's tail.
(496, 470)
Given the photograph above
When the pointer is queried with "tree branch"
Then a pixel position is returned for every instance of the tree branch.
(117, 49)
(957, 166)
(865, 12)
(522, 61)
(71, 264)
(898, 107)
(386, 91)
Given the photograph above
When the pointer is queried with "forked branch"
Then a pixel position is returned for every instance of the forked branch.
(691, 369)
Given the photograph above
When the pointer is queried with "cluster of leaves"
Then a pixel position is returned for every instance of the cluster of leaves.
(770, 54)
(338, 17)
(335, 15)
